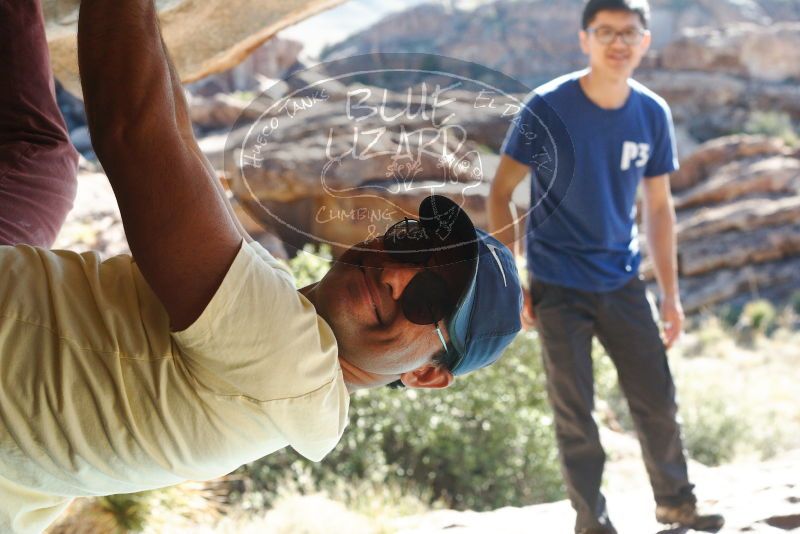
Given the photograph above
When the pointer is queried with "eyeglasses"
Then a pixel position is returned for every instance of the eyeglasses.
(425, 299)
(607, 35)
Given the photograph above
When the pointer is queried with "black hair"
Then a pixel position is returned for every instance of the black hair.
(441, 358)
(593, 7)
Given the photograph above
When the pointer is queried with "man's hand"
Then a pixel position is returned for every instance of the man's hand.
(672, 320)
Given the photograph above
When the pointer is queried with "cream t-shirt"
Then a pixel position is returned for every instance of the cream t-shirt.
(97, 396)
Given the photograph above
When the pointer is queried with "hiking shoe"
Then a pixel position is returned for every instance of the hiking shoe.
(686, 515)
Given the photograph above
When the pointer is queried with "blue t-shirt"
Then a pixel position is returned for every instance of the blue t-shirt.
(586, 163)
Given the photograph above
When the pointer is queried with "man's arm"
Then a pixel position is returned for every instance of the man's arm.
(659, 221)
(185, 126)
(501, 219)
(177, 224)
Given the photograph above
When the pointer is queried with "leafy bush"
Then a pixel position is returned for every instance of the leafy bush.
(773, 124)
(758, 315)
(712, 430)
(310, 265)
(483, 443)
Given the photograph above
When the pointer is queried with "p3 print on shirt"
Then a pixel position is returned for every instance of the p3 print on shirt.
(636, 153)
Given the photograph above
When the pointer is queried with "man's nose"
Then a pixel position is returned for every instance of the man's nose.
(618, 41)
(397, 276)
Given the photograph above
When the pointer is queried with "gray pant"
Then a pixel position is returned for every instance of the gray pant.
(623, 322)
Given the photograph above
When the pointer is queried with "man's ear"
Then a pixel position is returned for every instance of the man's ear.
(646, 41)
(583, 37)
(430, 376)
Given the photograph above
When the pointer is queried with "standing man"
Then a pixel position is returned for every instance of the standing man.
(589, 138)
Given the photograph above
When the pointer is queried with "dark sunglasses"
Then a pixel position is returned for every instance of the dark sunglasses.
(426, 299)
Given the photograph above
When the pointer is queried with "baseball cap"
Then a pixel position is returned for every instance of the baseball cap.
(487, 314)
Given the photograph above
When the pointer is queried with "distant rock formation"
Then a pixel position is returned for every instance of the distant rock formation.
(269, 62)
(738, 205)
(715, 61)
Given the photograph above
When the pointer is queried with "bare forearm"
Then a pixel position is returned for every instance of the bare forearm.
(501, 220)
(660, 227)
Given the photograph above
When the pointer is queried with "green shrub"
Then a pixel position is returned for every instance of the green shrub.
(759, 315)
(310, 265)
(485, 442)
(773, 124)
(130, 510)
(712, 430)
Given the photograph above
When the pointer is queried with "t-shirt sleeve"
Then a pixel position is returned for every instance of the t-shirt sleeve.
(261, 340)
(524, 138)
(664, 156)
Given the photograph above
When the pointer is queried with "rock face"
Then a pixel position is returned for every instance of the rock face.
(715, 79)
(203, 36)
(748, 50)
(524, 40)
(738, 205)
(715, 61)
(267, 63)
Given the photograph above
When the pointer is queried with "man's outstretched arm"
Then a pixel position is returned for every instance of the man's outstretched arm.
(178, 226)
(185, 127)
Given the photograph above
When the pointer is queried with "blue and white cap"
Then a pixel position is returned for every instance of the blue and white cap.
(487, 316)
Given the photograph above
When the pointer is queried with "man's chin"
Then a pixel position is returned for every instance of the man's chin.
(358, 378)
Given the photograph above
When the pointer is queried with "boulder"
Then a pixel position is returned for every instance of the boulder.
(769, 53)
(219, 111)
(772, 53)
(204, 37)
(739, 216)
(738, 221)
(713, 154)
(777, 175)
(706, 49)
(270, 61)
(736, 249)
(722, 285)
(727, 12)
